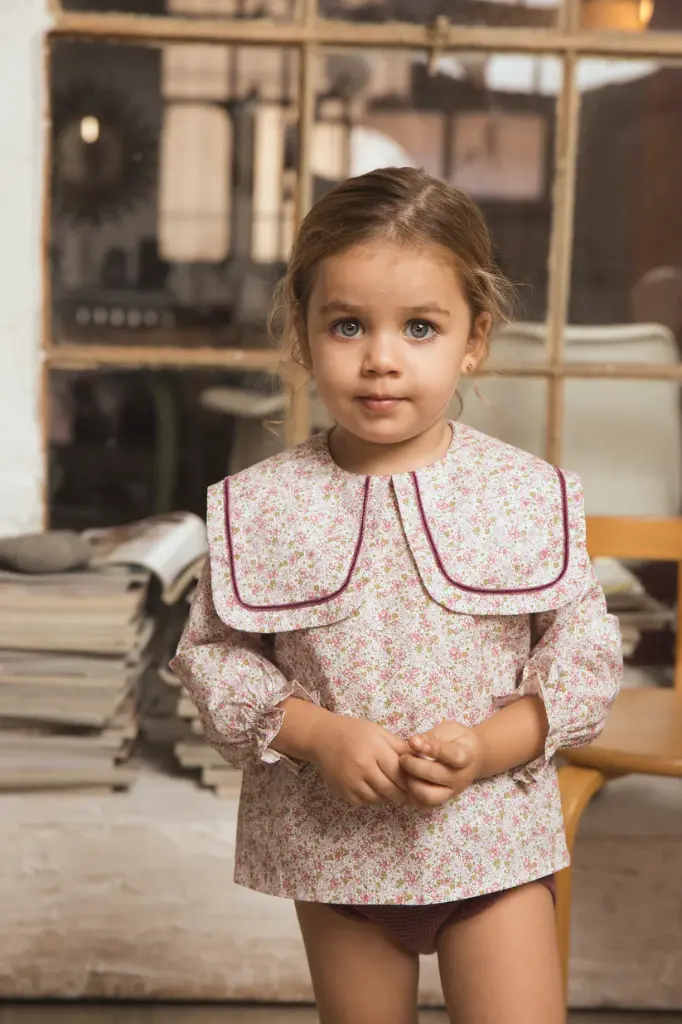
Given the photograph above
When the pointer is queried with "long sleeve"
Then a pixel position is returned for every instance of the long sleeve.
(234, 685)
(575, 666)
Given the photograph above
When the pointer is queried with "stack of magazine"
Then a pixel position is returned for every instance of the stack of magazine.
(171, 722)
(637, 611)
(74, 650)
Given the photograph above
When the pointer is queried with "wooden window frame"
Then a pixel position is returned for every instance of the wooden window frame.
(309, 35)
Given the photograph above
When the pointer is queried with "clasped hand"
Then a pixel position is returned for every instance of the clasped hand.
(366, 764)
(440, 764)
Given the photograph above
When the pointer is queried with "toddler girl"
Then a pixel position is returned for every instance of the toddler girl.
(399, 628)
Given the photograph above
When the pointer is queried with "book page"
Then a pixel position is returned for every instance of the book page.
(166, 545)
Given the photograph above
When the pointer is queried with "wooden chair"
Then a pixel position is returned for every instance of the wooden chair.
(643, 734)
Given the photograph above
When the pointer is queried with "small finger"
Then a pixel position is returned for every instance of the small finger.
(428, 795)
(428, 771)
(423, 742)
(391, 768)
(421, 748)
(386, 788)
(399, 745)
(365, 796)
(455, 754)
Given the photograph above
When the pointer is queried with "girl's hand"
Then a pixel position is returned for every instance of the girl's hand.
(441, 764)
(360, 761)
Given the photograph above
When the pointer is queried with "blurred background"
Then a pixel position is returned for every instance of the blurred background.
(157, 156)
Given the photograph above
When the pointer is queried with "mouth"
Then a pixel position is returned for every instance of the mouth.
(379, 403)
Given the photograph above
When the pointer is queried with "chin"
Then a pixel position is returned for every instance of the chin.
(389, 429)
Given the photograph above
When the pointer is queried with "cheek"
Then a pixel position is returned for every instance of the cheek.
(330, 356)
(317, 352)
(439, 372)
(327, 367)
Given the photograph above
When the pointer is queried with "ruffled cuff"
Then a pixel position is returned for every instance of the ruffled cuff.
(270, 722)
(530, 686)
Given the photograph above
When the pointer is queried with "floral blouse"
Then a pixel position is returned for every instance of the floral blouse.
(406, 600)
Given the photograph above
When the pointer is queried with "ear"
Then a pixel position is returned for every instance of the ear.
(478, 343)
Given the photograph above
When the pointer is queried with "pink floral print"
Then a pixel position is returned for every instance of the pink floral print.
(405, 600)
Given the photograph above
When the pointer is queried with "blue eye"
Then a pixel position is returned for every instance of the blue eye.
(347, 328)
(421, 330)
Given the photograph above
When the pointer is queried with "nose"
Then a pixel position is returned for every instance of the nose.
(381, 355)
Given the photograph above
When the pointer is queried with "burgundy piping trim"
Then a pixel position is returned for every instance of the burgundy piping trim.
(295, 604)
(482, 590)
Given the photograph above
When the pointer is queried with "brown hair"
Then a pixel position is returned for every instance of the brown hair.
(403, 205)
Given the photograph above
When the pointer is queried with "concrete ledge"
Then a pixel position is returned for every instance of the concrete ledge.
(131, 896)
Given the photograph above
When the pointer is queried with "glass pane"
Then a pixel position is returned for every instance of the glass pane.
(281, 10)
(627, 260)
(126, 445)
(631, 15)
(623, 437)
(492, 406)
(484, 123)
(173, 184)
(506, 13)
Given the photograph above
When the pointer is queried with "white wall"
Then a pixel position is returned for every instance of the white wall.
(22, 23)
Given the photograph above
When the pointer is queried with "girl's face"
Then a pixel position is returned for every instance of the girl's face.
(390, 334)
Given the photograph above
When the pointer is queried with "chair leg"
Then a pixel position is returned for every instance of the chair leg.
(577, 786)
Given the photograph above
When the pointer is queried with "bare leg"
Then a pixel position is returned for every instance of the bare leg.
(359, 975)
(502, 966)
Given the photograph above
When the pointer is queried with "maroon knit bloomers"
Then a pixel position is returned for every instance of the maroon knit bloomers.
(416, 929)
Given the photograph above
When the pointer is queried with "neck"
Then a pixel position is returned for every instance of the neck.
(368, 458)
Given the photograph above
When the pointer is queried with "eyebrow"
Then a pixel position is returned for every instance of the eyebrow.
(347, 307)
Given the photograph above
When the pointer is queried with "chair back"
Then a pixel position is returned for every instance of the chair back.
(622, 436)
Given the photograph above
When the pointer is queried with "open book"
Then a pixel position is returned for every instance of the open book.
(173, 547)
